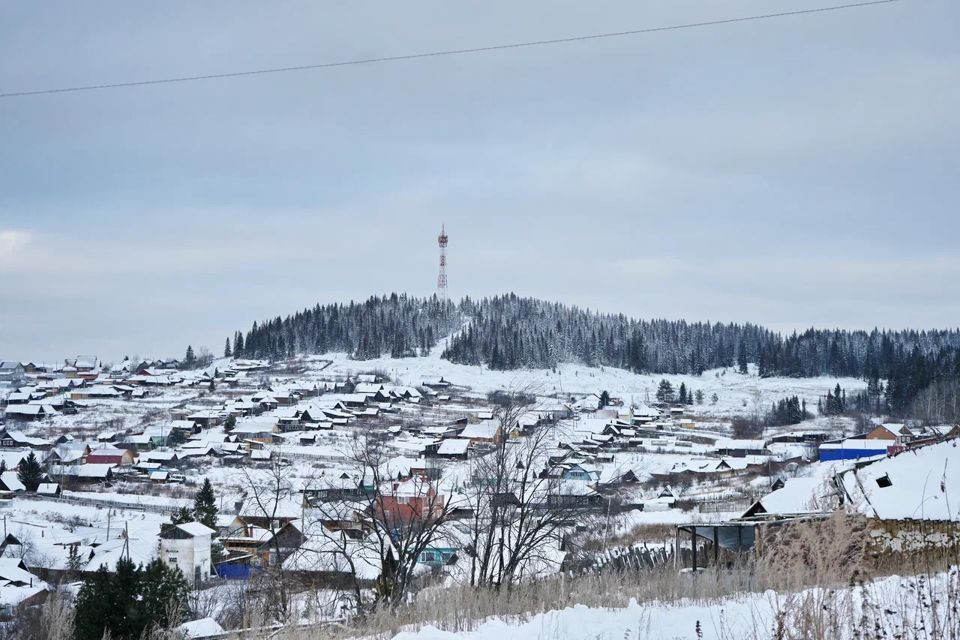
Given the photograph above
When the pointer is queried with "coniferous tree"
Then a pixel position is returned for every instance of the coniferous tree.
(126, 603)
(205, 505)
(189, 359)
(683, 394)
(665, 392)
(604, 399)
(787, 411)
(99, 607)
(227, 350)
(742, 359)
(182, 515)
(30, 473)
(163, 592)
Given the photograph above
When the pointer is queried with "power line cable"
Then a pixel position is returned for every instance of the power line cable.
(445, 52)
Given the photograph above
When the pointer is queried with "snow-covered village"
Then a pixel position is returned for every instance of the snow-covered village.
(307, 491)
(430, 320)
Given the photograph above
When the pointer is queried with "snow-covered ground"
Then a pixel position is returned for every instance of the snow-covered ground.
(736, 393)
(897, 608)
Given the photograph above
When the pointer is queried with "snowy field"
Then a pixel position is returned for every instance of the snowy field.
(736, 393)
(740, 617)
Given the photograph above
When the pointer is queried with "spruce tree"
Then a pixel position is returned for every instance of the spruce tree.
(182, 515)
(665, 391)
(163, 592)
(189, 358)
(31, 473)
(205, 505)
(227, 351)
(127, 603)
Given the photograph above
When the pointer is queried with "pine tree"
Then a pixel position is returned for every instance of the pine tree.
(683, 393)
(189, 358)
(31, 473)
(227, 351)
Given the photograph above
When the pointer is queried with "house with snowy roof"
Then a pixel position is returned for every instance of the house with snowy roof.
(29, 412)
(453, 448)
(485, 432)
(796, 498)
(916, 484)
(10, 483)
(19, 588)
(11, 439)
(187, 547)
(11, 372)
(82, 473)
(111, 456)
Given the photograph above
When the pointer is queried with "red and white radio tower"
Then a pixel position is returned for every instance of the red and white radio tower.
(442, 278)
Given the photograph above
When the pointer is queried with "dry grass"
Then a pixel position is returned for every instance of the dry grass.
(817, 576)
(814, 564)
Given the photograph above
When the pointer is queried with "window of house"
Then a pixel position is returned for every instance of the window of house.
(884, 481)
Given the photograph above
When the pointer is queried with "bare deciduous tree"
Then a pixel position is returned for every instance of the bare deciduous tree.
(270, 497)
(406, 516)
(515, 526)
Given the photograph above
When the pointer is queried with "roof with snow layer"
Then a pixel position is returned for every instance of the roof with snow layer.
(917, 484)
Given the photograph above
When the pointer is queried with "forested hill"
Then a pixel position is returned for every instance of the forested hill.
(393, 325)
(508, 332)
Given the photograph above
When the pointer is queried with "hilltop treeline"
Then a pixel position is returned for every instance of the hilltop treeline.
(393, 325)
(510, 332)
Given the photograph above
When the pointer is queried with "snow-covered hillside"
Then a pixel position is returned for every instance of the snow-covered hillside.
(736, 393)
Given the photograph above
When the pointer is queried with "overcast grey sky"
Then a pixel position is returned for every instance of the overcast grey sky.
(793, 172)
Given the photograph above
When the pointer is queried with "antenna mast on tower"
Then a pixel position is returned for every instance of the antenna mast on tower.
(442, 278)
